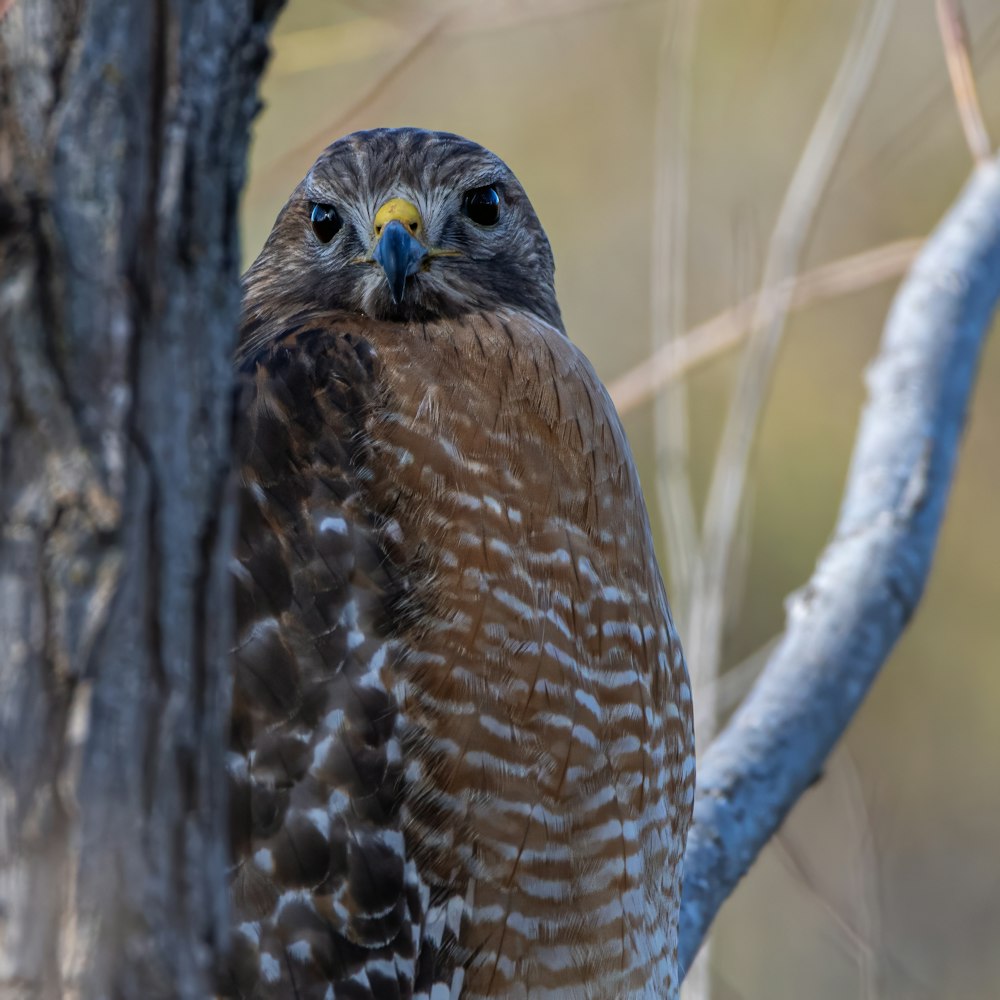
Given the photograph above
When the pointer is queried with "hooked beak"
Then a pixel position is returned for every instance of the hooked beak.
(400, 255)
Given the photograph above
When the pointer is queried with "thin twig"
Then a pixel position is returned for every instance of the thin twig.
(793, 863)
(727, 330)
(668, 304)
(419, 37)
(505, 14)
(668, 282)
(866, 874)
(860, 932)
(902, 127)
(842, 625)
(732, 686)
(802, 199)
(864, 948)
(368, 35)
(955, 38)
(420, 33)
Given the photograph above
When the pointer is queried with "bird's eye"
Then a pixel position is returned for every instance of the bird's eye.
(482, 205)
(325, 222)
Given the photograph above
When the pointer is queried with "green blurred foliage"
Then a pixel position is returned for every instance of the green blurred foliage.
(885, 882)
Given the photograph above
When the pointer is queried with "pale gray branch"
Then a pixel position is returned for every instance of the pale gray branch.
(867, 583)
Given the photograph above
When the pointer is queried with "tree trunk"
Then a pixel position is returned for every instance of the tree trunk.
(123, 138)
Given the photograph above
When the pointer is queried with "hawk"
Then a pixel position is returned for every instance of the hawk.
(461, 757)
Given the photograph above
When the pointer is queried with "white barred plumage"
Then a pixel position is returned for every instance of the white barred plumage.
(462, 755)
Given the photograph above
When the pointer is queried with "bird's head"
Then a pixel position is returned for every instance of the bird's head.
(405, 224)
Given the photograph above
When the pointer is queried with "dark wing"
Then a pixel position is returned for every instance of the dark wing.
(326, 900)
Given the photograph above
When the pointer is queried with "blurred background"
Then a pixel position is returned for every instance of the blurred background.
(657, 141)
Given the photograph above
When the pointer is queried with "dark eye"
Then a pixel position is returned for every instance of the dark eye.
(325, 222)
(482, 205)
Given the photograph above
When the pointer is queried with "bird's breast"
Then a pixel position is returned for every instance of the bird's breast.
(541, 677)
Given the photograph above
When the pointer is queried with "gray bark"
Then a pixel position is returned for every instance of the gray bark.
(123, 139)
(842, 626)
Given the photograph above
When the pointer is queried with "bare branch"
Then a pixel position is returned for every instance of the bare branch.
(842, 625)
(955, 37)
(727, 330)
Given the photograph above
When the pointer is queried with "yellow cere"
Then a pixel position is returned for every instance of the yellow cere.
(402, 210)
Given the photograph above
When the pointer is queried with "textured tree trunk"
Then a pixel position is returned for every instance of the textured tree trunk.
(123, 137)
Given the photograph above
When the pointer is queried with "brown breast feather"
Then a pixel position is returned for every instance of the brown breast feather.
(461, 747)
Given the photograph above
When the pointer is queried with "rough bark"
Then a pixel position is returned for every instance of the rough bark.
(123, 138)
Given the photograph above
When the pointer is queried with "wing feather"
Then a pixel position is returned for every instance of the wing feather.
(327, 902)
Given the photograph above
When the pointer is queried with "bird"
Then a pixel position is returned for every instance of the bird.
(461, 752)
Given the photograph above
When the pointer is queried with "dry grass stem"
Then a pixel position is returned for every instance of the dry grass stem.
(857, 917)
(955, 38)
(419, 37)
(797, 867)
(866, 874)
(794, 222)
(732, 686)
(504, 14)
(869, 953)
(373, 36)
(668, 287)
(668, 284)
(728, 329)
